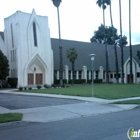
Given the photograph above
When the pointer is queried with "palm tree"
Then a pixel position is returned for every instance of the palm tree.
(72, 56)
(121, 46)
(103, 4)
(115, 49)
(131, 73)
(57, 4)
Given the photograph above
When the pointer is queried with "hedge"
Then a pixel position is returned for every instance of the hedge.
(57, 81)
(95, 81)
(78, 81)
(13, 82)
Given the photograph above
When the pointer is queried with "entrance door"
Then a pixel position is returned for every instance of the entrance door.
(39, 78)
(30, 78)
(128, 78)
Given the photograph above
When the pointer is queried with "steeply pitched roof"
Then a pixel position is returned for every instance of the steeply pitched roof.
(2, 35)
(84, 49)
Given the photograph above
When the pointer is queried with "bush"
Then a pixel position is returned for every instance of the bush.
(98, 81)
(38, 86)
(78, 81)
(95, 81)
(25, 88)
(45, 86)
(4, 83)
(54, 85)
(13, 82)
(65, 81)
(57, 81)
(64, 86)
(30, 88)
(20, 88)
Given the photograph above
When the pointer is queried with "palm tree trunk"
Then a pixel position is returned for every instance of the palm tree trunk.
(121, 46)
(131, 73)
(115, 49)
(60, 52)
(106, 50)
(111, 14)
(73, 78)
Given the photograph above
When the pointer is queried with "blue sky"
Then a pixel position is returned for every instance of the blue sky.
(79, 18)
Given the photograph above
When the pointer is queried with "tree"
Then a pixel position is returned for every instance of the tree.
(130, 45)
(57, 4)
(98, 36)
(103, 4)
(115, 47)
(4, 66)
(122, 41)
(121, 46)
(72, 56)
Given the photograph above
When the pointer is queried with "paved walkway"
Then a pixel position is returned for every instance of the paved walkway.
(91, 106)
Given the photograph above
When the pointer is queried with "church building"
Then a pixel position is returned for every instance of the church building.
(27, 46)
(34, 56)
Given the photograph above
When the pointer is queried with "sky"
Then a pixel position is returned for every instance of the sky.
(78, 18)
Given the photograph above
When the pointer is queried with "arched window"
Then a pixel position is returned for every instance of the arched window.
(12, 36)
(34, 34)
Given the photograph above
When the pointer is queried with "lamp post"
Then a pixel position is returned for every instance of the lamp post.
(92, 59)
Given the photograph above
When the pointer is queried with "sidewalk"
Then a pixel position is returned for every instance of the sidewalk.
(91, 106)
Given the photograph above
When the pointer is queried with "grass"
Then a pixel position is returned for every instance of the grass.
(10, 117)
(128, 102)
(105, 91)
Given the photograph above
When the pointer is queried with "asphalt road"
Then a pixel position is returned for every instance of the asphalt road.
(13, 102)
(112, 126)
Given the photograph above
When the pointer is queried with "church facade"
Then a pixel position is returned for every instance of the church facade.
(34, 56)
(28, 48)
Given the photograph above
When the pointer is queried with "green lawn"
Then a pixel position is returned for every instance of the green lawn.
(10, 117)
(105, 91)
(128, 102)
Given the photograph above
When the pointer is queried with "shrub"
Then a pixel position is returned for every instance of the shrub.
(54, 85)
(78, 81)
(38, 86)
(4, 83)
(98, 81)
(95, 81)
(45, 86)
(65, 81)
(25, 88)
(13, 82)
(20, 88)
(30, 88)
(63, 85)
(57, 81)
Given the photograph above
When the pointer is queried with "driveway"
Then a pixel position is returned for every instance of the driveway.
(12, 102)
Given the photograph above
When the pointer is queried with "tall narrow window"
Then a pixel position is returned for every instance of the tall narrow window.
(15, 55)
(96, 74)
(12, 36)
(34, 34)
(11, 56)
(80, 74)
(88, 75)
(69, 74)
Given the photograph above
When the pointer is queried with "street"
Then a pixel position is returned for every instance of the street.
(112, 126)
